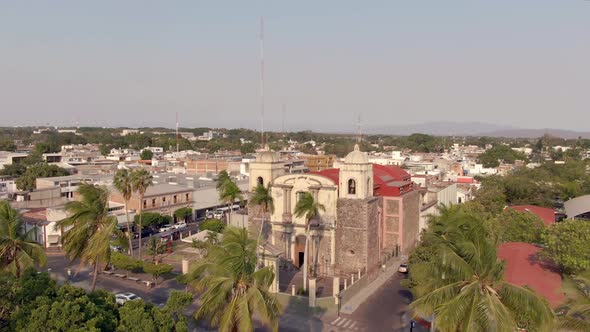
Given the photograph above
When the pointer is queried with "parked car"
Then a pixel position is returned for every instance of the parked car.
(121, 298)
(166, 228)
(180, 225)
(403, 268)
(145, 232)
(218, 214)
(116, 248)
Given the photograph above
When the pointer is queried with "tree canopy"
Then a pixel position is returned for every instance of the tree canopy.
(27, 181)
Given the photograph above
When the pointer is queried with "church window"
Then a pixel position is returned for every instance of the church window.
(351, 187)
(260, 181)
(300, 195)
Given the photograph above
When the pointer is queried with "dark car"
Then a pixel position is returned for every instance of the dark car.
(144, 233)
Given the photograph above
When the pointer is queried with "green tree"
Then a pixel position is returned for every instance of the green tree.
(214, 225)
(263, 199)
(141, 180)
(578, 316)
(567, 244)
(17, 249)
(493, 156)
(124, 184)
(27, 181)
(146, 155)
(125, 262)
(516, 226)
(89, 228)
(463, 286)
(310, 209)
(222, 179)
(230, 194)
(14, 170)
(157, 269)
(232, 289)
(248, 148)
(150, 219)
(70, 309)
(155, 247)
(7, 145)
(184, 213)
(176, 303)
(139, 316)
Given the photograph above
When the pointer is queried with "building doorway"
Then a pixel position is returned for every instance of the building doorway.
(299, 250)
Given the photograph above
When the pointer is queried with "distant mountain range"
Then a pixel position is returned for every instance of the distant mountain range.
(472, 129)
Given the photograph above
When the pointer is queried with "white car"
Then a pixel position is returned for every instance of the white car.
(121, 298)
(165, 228)
(403, 268)
(218, 214)
(180, 225)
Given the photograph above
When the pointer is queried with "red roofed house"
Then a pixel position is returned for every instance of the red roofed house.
(524, 268)
(370, 210)
(546, 214)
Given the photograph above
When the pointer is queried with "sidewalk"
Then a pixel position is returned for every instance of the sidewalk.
(358, 299)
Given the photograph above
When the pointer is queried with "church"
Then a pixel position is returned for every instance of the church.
(370, 212)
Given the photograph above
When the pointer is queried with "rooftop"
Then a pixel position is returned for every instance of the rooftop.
(546, 214)
(524, 268)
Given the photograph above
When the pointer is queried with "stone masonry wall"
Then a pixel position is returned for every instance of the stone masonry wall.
(351, 235)
(411, 221)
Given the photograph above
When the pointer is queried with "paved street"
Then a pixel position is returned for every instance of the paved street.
(382, 311)
(158, 295)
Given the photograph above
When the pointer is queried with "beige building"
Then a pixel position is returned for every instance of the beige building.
(161, 198)
(369, 212)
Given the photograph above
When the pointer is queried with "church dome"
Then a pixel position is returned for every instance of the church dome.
(267, 157)
(356, 157)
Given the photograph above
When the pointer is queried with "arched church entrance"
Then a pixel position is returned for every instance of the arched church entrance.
(299, 250)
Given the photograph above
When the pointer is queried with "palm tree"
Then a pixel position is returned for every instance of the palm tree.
(232, 289)
(463, 285)
(17, 250)
(89, 228)
(578, 316)
(231, 192)
(262, 197)
(222, 178)
(141, 180)
(307, 207)
(124, 184)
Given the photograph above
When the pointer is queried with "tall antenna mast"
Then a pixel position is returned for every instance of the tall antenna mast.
(177, 143)
(262, 82)
(359, 130)
(283, 120)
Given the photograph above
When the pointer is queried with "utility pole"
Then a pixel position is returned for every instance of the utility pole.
(262, 143)
(177, 143)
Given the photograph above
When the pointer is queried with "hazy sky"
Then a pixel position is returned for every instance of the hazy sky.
(135, 63)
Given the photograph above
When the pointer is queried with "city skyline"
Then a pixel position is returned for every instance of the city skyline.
(134, 64)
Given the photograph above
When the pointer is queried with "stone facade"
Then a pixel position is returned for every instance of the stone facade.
(357, 235)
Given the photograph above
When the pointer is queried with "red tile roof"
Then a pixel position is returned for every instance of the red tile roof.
(464, 179)
(548, 215)
(387, 180)
(523, 267)
(331, 173)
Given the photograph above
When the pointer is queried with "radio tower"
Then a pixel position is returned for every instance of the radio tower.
(262, 82)
(359, 130)
(177, 143)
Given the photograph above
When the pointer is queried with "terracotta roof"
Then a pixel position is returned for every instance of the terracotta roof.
(387, 180)
(331, 173)
(523, 267)
(35, 215)
(548, 215)
(464, 179)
